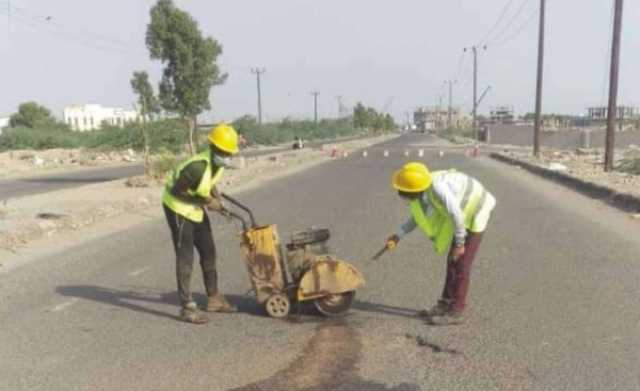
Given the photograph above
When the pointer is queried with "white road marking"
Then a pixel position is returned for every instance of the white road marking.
(138, 272)
(65, 304)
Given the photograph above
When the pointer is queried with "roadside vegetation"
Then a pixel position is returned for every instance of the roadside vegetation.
(629, 166)
(163, 134)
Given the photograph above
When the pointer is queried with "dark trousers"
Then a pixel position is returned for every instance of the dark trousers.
(459, 273)
(186, 235)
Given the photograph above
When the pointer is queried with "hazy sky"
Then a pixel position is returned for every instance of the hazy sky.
(387, 54)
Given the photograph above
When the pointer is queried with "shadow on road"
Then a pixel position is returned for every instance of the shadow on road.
(71, 179)
(135, 298)
(128, 299)
(385, 309)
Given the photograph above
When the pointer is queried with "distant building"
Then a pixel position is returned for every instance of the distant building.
(601, 113)
(91, 117)
(4, 122)
(502, 115)
(432, 118)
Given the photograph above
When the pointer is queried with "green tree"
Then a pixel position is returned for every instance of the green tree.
(368, 118)
(174, 38)
(31, 115)
(360, 116)
(148, 106)
(389, 123)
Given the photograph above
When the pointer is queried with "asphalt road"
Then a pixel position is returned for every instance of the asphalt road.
(12, 188)
(553, 301)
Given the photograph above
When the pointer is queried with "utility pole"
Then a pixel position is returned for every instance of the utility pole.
(450, 111)
(258, 72)
(315, 106)
(439, 112)
(340, 106)
(475, 87)
(613, 87)
(538, 120)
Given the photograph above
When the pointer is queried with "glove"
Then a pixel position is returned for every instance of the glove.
(457, 253)
(215, 204)
(225, 212)
(392, 242)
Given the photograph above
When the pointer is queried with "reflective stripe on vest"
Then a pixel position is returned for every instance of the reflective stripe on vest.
(191, 211)
(438, 225)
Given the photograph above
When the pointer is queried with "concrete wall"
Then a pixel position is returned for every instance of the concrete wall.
(523, 136)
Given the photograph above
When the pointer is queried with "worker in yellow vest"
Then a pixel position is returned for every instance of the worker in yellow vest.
(188, 190)
(453, 210)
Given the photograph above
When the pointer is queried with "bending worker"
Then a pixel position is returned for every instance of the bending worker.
(453, 210)
(191, 188)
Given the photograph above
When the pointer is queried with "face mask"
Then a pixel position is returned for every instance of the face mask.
(220, 161)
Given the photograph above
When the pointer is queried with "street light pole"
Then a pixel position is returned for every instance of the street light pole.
(315, 106)
(538, 120)
(474, 49)
(258, 72)
(613, 87)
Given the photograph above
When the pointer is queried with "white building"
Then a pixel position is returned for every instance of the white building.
(91, 117)
(4, 122)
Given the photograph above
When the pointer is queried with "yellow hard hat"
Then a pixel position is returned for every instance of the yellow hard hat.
(225, 138)
(416, 166)
(413, 177)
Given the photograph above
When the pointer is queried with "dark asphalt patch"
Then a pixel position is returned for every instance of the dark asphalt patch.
(327, 363)
(51, 216)
(436, 348)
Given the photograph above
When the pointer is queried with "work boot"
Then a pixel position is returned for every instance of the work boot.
(218, 303)
(441, 308)
(448, 319)
(191, 314)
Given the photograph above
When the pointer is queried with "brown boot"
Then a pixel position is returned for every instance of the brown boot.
(437, 310)
(191, 314)
(448, 319)
(217, 303)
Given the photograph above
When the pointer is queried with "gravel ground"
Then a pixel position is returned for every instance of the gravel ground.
(587, 165)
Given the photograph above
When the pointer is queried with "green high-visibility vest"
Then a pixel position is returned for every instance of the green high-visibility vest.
(439, 226)
(191, 212)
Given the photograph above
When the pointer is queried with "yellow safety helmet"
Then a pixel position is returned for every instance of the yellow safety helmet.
(416, 166)
(413, 177)
(225, 138)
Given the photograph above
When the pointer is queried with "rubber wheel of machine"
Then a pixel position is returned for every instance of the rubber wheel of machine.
(277, 306)
(335, 305)
(310, 236)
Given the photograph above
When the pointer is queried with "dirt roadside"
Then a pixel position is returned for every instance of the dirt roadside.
(27, 163)
(34, 225)
(585, 164)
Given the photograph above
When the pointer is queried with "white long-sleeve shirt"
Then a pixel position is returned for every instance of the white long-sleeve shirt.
(449, 188)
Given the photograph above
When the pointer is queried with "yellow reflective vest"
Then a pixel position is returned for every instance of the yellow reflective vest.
(438, 225)
(190, 211)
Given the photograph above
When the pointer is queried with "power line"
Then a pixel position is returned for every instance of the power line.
(495, 26)
(50, 21)
(506, 28)
(63, 35)
(518, 31)
(85, 38)
(461, 63)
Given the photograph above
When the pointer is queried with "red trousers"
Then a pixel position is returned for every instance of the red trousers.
(459, 272)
